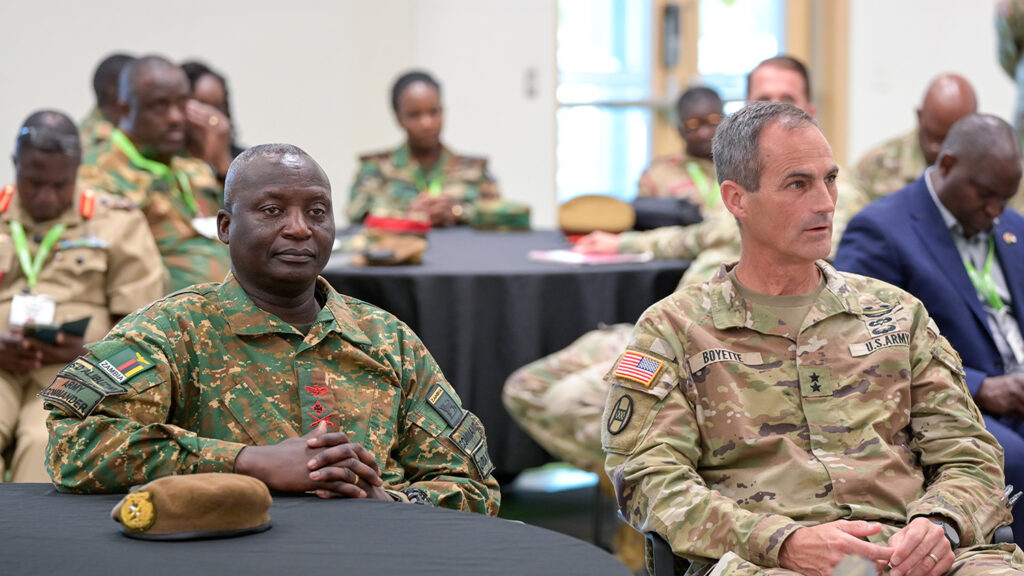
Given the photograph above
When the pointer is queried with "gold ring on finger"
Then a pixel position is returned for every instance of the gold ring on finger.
(213, 121)
(356, 483)
(933, 557)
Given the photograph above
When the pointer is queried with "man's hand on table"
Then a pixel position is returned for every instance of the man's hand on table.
(325, 462)
(598, 243)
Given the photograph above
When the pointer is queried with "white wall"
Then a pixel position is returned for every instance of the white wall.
(316, 73)
(897, 46)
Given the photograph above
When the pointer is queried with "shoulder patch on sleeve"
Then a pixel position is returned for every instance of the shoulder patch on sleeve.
(80, 386)
(77, 398)
(638, 367)
(122, 363)
(444, 404)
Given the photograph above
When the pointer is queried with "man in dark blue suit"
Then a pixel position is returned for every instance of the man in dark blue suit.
(948, 239)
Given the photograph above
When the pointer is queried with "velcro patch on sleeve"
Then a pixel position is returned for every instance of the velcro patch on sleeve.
(82, 370)
(77, 398)
(483, 460)
(124, 364)
(445, 405)
(638, 367)
(468, 434)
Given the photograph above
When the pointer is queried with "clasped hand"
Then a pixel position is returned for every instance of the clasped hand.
(327, 463)
(919, 549)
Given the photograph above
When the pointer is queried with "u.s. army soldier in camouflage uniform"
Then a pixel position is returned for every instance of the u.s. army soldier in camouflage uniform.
(784, 415)
(892, 165)
(96, 128)
(271, 373)
(422, 178)
(85, 254)
(143, 161)
(567, 375)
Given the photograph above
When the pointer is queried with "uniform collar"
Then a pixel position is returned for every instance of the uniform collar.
(402, 158)
(246, 318)
(69, 217)
(730, 310)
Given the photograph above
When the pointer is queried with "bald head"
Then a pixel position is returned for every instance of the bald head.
(949, 98)
(978, 170)
(152, 97)
(251, 166)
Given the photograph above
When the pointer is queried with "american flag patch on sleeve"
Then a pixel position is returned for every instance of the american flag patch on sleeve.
(638, 367)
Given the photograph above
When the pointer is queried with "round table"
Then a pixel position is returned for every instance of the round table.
(45, 532)
(483, 309)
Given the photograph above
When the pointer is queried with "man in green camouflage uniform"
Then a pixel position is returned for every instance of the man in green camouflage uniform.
(388, 182)
(79, 253)
(143, 161)
(271, 373)
(96, 128)
(783, 415)
(892, 165)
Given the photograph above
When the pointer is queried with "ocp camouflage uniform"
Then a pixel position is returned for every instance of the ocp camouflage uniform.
(670, 177)
(101, 267)
(558, 400)
(94, 131)
(190, 257)
(387, 183)
(890, 166)
(202, 373)
(552, 398)
(727, 430)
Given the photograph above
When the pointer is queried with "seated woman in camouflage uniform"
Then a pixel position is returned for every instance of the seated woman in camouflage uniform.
(422, 177)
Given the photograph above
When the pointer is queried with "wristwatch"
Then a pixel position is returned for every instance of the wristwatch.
(949, 532)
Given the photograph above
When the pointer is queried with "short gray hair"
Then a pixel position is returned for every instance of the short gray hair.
(736, 145)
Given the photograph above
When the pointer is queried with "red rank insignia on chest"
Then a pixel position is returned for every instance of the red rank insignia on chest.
(317, 390)
(320, 413)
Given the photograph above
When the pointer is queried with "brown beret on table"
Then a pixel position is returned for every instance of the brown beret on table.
(194, 506)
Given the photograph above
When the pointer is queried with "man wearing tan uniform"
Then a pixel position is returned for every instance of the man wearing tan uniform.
(67, 254)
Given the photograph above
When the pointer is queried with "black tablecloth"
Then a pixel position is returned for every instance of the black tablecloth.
(43, 532)
(483, 309)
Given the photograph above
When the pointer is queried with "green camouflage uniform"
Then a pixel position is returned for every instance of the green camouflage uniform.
(190, 257)
(724, 434)
(890, 166)
(94, 132)
(101, 267)
(387, 183)
(670, 177)
(226, 375)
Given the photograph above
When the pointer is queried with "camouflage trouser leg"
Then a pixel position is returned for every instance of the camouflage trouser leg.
(993, 560)
(558, 400)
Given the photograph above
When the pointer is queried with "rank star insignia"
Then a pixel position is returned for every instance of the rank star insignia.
(816, 387)
(814, 377)
(318, 408)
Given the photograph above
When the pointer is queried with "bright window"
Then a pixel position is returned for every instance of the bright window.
(604, 85)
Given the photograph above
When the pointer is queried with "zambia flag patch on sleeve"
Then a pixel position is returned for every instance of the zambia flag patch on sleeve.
(125, 364)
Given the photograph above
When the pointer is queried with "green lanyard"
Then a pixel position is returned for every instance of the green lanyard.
(709, 193)
(983, 283)
(157, 169)
(30, 266)
(434, 187)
